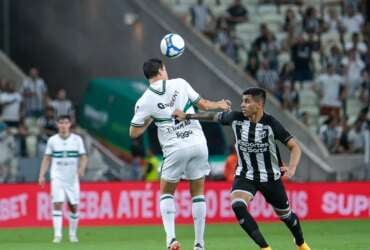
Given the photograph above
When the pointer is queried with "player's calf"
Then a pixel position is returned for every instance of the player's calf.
(292, 222)
(247, 222)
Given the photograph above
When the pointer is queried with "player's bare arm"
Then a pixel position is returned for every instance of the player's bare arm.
(295, 156)
(82, 165)
(203, 116)
(207, 105)
(43, 169)
(135, 131)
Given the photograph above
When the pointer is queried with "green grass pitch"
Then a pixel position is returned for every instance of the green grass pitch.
(321, 235)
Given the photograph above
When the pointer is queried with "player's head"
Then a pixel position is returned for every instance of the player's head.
(253, 101)
(154, 68)
(64, 123)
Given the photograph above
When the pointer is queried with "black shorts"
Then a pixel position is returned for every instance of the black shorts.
(273, 191)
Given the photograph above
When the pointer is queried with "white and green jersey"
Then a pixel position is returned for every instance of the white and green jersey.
(65, 155)
(159, 101)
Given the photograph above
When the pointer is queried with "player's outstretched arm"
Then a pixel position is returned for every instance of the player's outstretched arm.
(295, 156)
(136, 131)
(203, 116)
(43, 169)
(207, 105)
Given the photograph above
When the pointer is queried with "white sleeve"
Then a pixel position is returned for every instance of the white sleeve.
(81, 147)
(49, 148)
(192, 94)
(141, 114)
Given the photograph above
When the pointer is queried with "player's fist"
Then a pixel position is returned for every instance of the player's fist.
(42, 181)
(81, 172)
(224, 104)
(179, 115)
(287, 171)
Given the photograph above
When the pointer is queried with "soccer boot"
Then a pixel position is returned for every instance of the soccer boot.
(198, 246)
(174, 245)
(266, 248)
(57, 239)
(73, 239)
(304, 246)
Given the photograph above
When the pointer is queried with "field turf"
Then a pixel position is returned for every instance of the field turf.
(321, 235)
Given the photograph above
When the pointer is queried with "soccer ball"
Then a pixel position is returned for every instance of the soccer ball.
(172, 45)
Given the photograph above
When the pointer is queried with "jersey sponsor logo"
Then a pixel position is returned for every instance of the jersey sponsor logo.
(171, 103)
(184, 134)
(64, 163)
(251, 147)
(178, 126)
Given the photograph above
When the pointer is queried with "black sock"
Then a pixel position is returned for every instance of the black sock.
(247, 222)
(294, 226)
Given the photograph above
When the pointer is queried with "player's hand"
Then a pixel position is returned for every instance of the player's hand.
(179, 115)
(287, 171)
(224, 104)
(42, 181)
(81, 172)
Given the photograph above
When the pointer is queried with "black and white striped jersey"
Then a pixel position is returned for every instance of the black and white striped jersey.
(255, 144)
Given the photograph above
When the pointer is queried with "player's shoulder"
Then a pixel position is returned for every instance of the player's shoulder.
(177, 81)
(144, 99)
(53, 138)
(268, 118)
(76, 138)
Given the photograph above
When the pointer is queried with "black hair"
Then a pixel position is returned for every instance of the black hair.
(256, 92)
(151, 67)
(64, 117)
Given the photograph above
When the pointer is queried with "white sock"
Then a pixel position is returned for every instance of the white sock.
(199, 217)
(57, 223)
(168, 210)
(73, 224)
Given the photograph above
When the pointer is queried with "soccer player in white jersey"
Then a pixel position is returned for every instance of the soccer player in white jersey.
(66, 154)
(183, 144)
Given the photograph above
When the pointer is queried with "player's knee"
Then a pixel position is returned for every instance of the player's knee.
(58, 206)
(288, 217)
(238, 205)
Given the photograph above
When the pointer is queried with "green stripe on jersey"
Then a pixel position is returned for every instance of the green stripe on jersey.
(65, 154)
(188, 105)
(197, 100)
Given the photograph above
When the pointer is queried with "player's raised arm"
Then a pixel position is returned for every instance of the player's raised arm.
(203, 116)
(207, 105)
(43, 169)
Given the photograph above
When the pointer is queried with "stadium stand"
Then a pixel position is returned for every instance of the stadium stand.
(305, 37)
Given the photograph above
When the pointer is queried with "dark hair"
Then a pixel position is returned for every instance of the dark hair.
(64, 117)
(151, 67)
(256, 92)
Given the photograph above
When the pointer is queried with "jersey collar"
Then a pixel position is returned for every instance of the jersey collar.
(157, 91)
(64, 138)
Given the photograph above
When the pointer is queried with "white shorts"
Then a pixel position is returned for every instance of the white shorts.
(189, 163)
(61, 190)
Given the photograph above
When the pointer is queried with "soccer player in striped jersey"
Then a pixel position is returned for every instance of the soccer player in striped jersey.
(65, 153)
(259, 164)
(184, 146)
